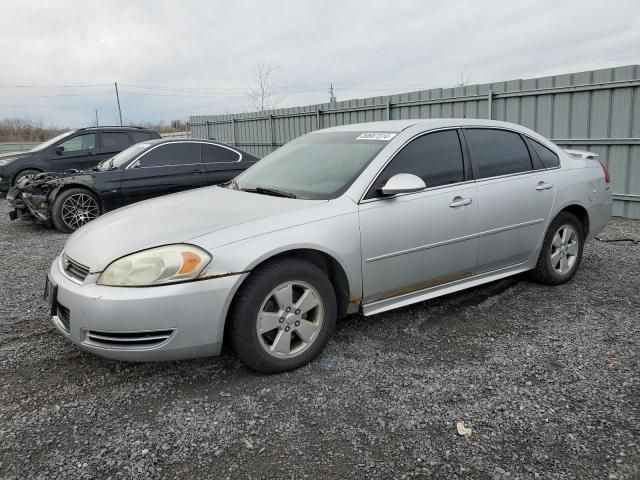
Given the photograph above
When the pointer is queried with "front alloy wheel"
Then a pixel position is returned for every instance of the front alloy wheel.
(290, 319)
(74, 208)
(283, 315)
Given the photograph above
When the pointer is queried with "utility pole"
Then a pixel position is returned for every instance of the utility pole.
(332, 97)
(118, 99)
(96, 110)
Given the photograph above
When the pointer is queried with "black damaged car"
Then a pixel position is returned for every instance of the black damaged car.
(148, 169)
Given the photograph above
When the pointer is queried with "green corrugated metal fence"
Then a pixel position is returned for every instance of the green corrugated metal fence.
(597, 110)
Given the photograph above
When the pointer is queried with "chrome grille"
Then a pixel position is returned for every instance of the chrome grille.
(128, 339)
(74, 269)
(64, 315)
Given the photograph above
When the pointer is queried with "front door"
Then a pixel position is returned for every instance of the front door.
(78, 152)
(167, 168)
(420, 240)
(514, 198)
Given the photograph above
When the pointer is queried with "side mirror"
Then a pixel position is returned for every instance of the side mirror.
(403, 183)
(59, 149)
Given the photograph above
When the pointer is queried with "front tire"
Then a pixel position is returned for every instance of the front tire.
(74, 208)
(283, 316)
(561, 252)
(25, 173)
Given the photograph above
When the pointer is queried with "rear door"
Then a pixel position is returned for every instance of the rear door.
(167, 168)
(222, 163)
(77, 152)
(112, 143)
(515, 197)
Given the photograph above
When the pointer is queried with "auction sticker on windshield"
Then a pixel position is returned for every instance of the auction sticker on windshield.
(376, 136)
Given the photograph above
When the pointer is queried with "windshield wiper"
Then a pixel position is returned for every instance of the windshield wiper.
(269, 191)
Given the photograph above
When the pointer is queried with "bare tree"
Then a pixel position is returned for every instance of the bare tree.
(464, 81)
(264, 95)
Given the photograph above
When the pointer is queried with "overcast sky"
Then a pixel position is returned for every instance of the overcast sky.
(198, 57)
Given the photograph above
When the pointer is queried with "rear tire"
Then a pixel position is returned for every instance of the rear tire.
(24, 173)
(283, 316)
(561, 251)
(74, 208)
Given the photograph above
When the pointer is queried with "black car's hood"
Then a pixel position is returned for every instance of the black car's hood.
(55, 179)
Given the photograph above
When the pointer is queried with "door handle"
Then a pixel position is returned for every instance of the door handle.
(544, 186)
(198, 170)
(460, 202)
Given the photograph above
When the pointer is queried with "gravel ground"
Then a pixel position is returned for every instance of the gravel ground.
(546, 377)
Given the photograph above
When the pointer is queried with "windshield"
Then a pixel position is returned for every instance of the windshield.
(123, 157)
(48, 143)
(317, 166)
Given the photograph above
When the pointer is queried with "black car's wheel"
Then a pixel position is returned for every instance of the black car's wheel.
(561, 251)
(283, 316)
(73, 208)
(24, 173)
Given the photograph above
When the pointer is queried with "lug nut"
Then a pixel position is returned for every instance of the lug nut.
(297, 312)
(288, 309)
(286, 329)
(298, 323)
(281, 319)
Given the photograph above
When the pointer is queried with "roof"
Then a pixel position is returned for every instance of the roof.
(427, 123)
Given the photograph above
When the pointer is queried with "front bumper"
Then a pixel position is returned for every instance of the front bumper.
(160, 323)
(37, 206)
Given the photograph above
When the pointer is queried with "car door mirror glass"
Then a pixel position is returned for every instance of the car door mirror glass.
(403, 183)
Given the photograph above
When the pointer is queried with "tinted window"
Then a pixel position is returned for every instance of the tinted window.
(142, 136)
(172, 154)
(213, 153)
(81, 142)
(114, 142)
(436, 158)
(498, 152)
(549, 159)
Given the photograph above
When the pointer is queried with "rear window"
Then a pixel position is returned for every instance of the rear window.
(497, 152)
(217, 154)
(142, 136)
(549, 159)
(112, 142)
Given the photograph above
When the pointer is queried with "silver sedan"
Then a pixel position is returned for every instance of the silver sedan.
(358, 218)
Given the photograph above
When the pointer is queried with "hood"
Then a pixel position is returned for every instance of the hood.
(176, 218)
(15, 154)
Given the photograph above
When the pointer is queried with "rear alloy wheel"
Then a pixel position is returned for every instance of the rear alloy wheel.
(561, 251)
(73, 208)
(283, 316)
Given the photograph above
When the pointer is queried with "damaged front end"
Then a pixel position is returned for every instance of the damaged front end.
(30, 197)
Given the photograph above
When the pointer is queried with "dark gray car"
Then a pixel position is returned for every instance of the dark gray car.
(77, 149)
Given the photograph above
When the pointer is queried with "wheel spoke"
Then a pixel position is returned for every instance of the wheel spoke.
(268, 321)
(555, 258)
(564, 265)
(305, 330)
(307, 301)
(557, 241)
(282, 343)
(284, 296)
(565, 234)
(572, 249)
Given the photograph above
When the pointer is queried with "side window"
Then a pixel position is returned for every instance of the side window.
(79, 143)
(114, 142)
(435, 157)
(213, 153)
(141, 136)
(498, 152)
(549, 159)
(172, 154)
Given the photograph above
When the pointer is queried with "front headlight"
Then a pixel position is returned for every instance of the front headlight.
(156, 266)
(6, 161)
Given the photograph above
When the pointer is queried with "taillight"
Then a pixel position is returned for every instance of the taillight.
(607, 179)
